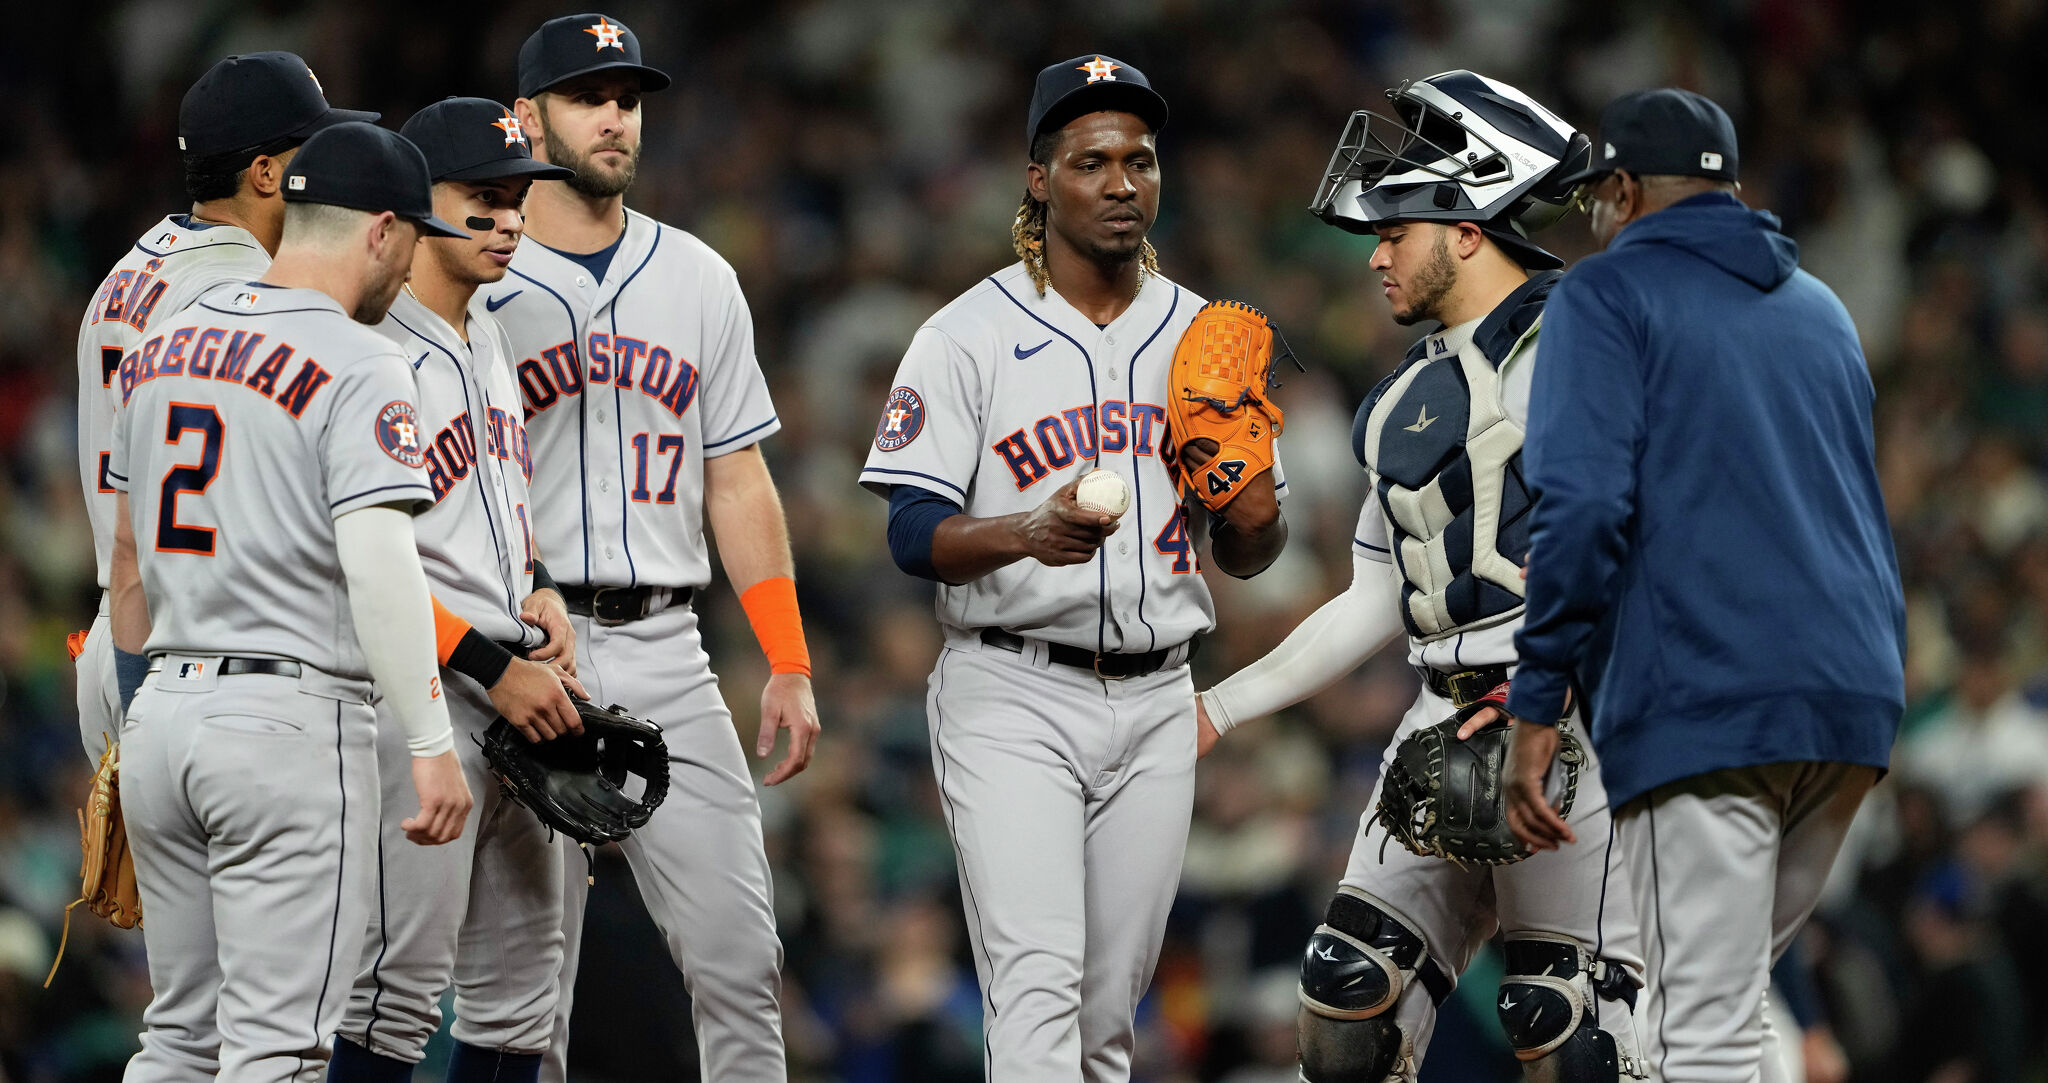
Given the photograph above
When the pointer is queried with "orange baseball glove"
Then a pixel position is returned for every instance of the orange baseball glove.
(1218, 390)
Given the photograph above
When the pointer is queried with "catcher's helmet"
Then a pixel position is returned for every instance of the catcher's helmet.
(1462, 148)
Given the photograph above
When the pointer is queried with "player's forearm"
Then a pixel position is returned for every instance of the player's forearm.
(1252, 533)
(746, 517)
(965, 548)
(387, 596)
(130, 617)
(1331, 642)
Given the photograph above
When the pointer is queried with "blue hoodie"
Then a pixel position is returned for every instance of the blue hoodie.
(1711, 561)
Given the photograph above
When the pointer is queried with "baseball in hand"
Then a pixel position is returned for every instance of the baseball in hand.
(1103, 491)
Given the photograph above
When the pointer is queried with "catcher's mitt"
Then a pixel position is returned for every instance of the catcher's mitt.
(107, 872)
(1218, 390)
(1447, 798)
(574, 782)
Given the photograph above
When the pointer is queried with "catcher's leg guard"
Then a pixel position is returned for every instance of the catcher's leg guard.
(1357, 964)
(1549, 1007)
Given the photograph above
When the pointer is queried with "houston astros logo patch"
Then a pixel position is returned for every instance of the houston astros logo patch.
(398, 433)
(902, 420)
(607, 34)
(1098, 69)
(510, 125)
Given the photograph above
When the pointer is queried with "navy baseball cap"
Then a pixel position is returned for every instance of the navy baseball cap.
(471, 139)
(1666, 132)
(247, 101)
(1090, 84)
(576, 45)
(366, 168)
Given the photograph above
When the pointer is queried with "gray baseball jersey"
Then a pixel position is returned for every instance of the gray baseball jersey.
(1003, 397)
(171, 266)
(247, 425)
(477, 542)
(630, 384)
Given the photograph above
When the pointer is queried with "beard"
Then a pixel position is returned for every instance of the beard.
(590, 180)
(1429, 284)
(378, 294)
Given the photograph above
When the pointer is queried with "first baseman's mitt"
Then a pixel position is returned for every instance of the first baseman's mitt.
(1447, 798)
(1218, 389)
(574, 782)
(107, 872)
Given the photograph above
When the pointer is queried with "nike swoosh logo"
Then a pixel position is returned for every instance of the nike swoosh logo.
(421, 360)
(1422, 420)
(1022, 353)
(493, 304)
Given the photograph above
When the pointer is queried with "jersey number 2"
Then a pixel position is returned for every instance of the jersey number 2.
(172, 536)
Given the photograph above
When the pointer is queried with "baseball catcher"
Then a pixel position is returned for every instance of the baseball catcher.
(576, 782)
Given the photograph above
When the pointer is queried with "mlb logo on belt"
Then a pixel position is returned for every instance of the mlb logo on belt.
(191, 671)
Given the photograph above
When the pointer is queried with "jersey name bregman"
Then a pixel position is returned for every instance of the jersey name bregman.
(621, 361)
(214, 354)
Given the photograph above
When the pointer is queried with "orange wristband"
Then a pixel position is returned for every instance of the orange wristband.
(448, 631)
(771, 609)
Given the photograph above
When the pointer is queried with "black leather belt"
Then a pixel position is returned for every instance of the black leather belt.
(1465, 687)
(1106, 665)
(619, 605)
(236, 667)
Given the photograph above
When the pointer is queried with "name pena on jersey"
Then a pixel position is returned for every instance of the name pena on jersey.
(128, 295)
(618, 360)
(1053, 442)
(213, 353)
(452, 452)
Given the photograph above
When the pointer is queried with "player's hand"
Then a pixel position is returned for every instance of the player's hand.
(1531, 750)
(1060, 532)
(1205, 730)
(787, 703)
(535, 699)
(444, 800)
(545, 610)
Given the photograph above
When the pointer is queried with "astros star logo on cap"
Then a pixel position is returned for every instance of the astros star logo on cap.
(607, 34)
(510, 124)
(1098, 69)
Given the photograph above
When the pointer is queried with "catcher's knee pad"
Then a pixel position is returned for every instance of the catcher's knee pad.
(1357, 964)
(1549, 1007)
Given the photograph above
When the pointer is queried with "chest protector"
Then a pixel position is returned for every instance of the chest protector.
(1446, 463)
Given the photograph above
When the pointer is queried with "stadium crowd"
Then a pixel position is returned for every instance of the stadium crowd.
(859, 164)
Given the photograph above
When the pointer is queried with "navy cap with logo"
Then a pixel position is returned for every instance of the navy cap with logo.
(253, 100)
(366, 168)
(1666, 132)
(471, 139)
(1091, 84)
(574, 45)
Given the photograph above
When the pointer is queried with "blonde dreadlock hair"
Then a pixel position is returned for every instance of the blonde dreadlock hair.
(1027, 236)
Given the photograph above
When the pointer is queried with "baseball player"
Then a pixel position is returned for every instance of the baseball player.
(1452, 190)
(497, 890)
(1061, 708)
(645, 408)
(268, 462)
(1735, 621)
(238, 128)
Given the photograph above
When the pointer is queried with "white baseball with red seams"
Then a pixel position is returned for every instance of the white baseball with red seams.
(1103, 491)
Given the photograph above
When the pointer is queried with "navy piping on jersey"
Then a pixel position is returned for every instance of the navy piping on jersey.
(244, 313)
(408, 485)
(148, 251)
(966, 884)
(772, 419)
(582, 466)
(902, 473)
(477, 468)
(1139, 488)
(1361, 542)
(1102, 577)
(625, 494)
(383, 947)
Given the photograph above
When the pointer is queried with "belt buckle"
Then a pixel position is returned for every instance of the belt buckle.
(1464, 688)
(597, 604)
(1106, 676)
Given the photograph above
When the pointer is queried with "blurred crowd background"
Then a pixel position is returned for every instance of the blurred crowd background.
(859, 162)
